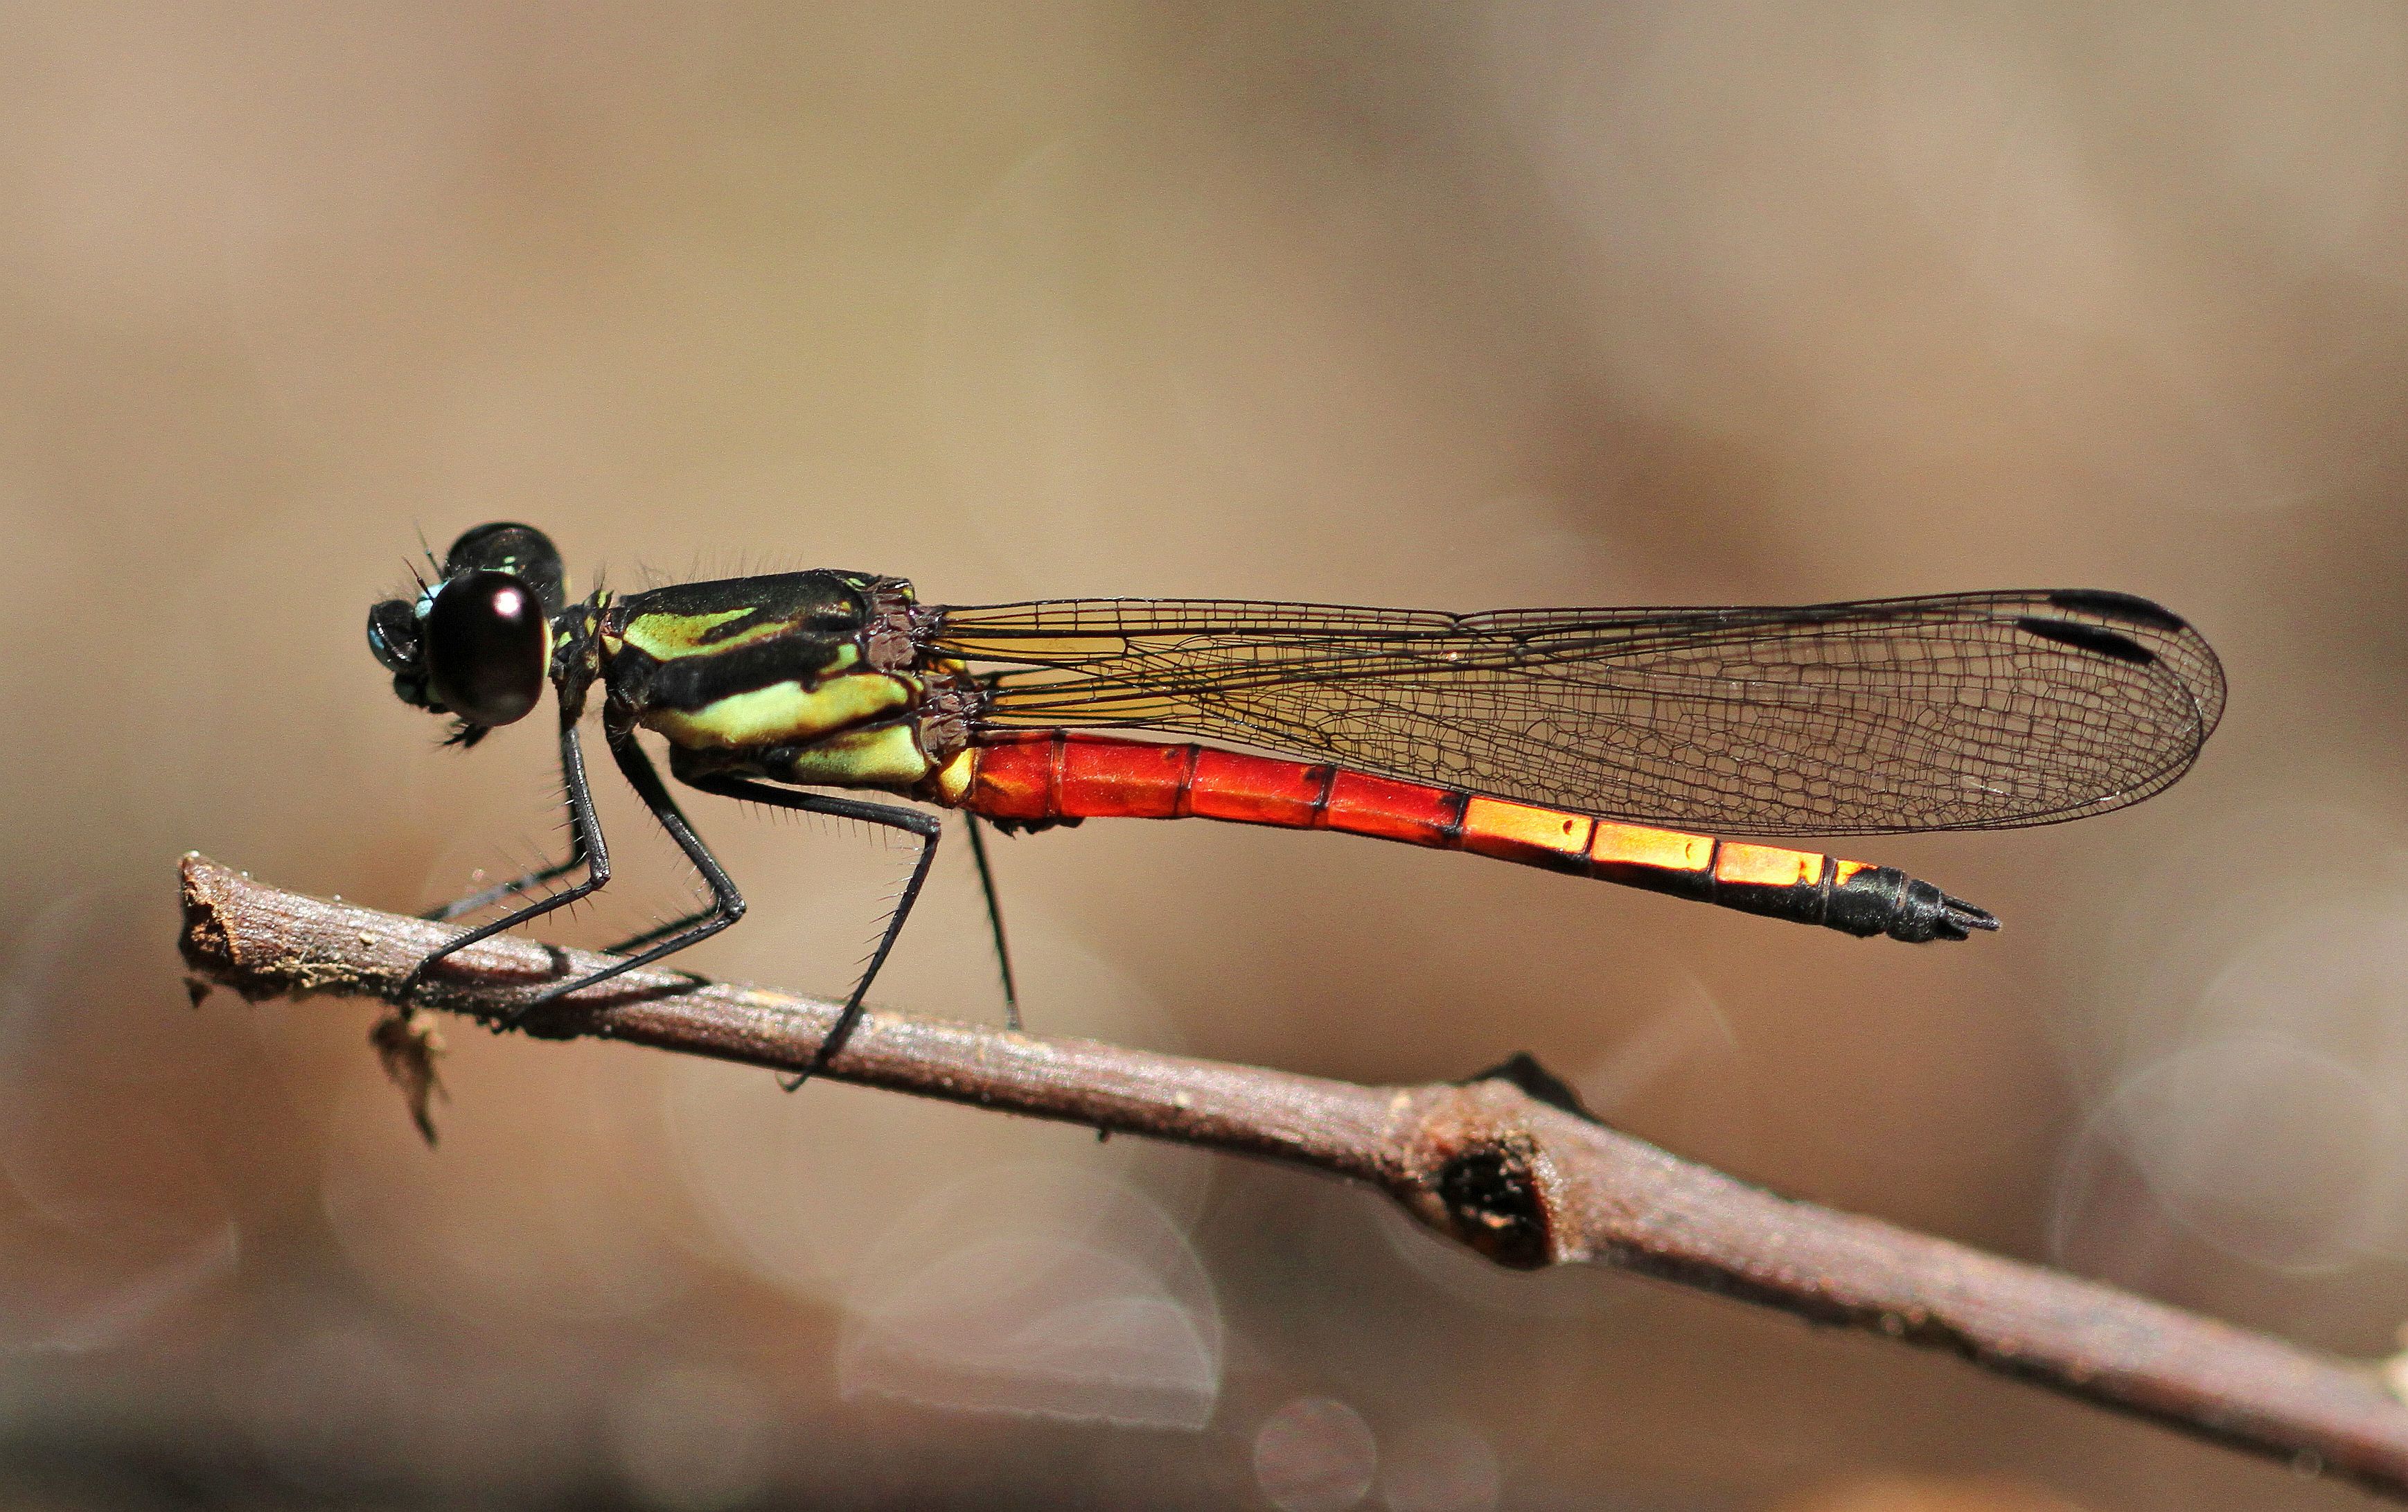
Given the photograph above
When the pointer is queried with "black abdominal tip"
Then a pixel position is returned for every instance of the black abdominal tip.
(1958, 918)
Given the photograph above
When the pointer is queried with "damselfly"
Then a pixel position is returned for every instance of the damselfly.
(1560, 738)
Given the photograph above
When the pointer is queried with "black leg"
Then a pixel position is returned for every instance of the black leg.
(585, 845)
(927, 826)
(727, 903)
(994, 920)
(511, 889)
(659, 931)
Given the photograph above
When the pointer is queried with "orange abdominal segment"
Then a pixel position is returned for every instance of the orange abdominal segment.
(1747, 865)
(1385, 809)
(1124, 781)
(1534, 836)
(1251, 790)
(1014, 781)
(1661, 861)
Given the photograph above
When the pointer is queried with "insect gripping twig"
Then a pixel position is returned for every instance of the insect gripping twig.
(1505, 1164)
(1564, 739)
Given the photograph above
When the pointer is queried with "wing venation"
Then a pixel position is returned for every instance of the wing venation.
(1961, 712)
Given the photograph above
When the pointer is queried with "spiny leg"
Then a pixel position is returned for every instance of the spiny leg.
(994, 920)
(659, 931)
(727, 902)
(511, 889)
(927, 826)
(585, 845)
(666, 928)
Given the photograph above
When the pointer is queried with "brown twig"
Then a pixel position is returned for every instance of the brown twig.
(1505, 1162)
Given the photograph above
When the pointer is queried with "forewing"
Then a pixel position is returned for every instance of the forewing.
(1963, 711)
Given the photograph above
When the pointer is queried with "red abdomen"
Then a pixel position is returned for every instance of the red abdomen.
(1048, 776)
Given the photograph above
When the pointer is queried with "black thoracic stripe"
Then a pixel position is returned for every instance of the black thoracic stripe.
(2097, 639)
(730, 629)
(689, 682)
(2108, 604)
(791, 595)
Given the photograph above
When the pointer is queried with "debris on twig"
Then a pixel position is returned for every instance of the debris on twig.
(408, 1042)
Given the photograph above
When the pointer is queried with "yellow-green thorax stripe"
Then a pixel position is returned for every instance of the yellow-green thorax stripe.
(668, 636)
(784, 713)
(876, 756)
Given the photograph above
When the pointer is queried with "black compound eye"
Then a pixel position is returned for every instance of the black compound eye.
(393, 635)
(486, 639)
(521, 550)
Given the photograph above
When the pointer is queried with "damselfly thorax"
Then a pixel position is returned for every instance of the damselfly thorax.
(1624, 744)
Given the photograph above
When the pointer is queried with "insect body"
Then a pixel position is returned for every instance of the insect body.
(1562, 739)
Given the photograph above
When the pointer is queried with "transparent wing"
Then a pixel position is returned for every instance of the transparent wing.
(1961, 712)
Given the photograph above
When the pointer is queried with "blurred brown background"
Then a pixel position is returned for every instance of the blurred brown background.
(1445, 305)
